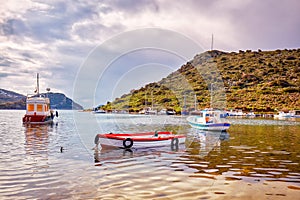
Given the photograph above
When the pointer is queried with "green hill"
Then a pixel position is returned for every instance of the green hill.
(261, 81)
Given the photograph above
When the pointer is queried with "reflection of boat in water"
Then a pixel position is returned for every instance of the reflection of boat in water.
(109, 153)
(139, 140)
(37, 139)
(37, 150)
(207, 141)
(38, 109)
(211, 120)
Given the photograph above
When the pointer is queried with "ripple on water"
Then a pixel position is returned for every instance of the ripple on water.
(258, 158)
(294, 187)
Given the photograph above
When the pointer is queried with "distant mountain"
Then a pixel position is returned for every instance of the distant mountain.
(13, 100)
(60, 101)
(9, 96)
(262, 81)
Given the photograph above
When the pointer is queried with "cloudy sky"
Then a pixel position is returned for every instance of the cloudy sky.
(124, 44)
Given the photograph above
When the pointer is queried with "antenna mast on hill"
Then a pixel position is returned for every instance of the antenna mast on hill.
(212, 42)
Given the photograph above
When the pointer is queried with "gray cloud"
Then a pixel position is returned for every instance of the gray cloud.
(133, 6)
(10, 25)
(3, 75)
(55, 37)
(268, 24)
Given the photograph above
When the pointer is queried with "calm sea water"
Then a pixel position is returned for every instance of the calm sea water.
(256, 159)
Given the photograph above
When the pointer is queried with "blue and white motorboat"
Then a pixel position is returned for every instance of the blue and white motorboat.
(209, 119)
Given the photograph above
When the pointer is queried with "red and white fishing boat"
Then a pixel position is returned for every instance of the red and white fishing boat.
(38, 108)
(139, 140)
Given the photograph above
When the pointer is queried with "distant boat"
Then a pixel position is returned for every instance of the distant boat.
(195, 112)
(38, 108)
(142, 112)
(237, 113)
(120, 111)
(211, 120)
(162, 112)
(250, 114)
(296, 113)
(171, 112)
(290, 114)
(100, 111)
(150, 111)
(139, 140)
(166, 112)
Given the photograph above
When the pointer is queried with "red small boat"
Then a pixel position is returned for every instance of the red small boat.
(38, 109)
(139, 140)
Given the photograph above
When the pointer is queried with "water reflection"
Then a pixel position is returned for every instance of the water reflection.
(256, 159)
(37, 145)
(107, 153)
(203, 142)
(198, 144)
(259, 154)
(36, 139)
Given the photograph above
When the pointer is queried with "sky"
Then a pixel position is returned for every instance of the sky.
(96, 50)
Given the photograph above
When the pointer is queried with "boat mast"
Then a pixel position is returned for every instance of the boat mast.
(37, 84)
(152, 100)
(145, 100)
(184, 103)
(195, 102)
(212, 42)
(211, 95)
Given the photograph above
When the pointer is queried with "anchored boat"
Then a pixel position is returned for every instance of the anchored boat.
(38, 109)
(290, 114)
(211, 120)
(139, 140)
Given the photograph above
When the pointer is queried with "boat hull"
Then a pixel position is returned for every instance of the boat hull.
(139, 140)
(211, 127)
(221, 126)
(99, 112)
(37, 119)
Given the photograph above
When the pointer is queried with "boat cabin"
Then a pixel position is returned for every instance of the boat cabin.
(37, 106)
(210, 116)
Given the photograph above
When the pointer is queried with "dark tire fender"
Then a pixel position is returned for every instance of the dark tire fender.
(174, 142)
(127, 146)
(96, 139)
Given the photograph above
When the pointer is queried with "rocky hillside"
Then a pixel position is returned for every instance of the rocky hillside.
(12, 100)
(60, 101)
(7, 96)
(262, 81)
